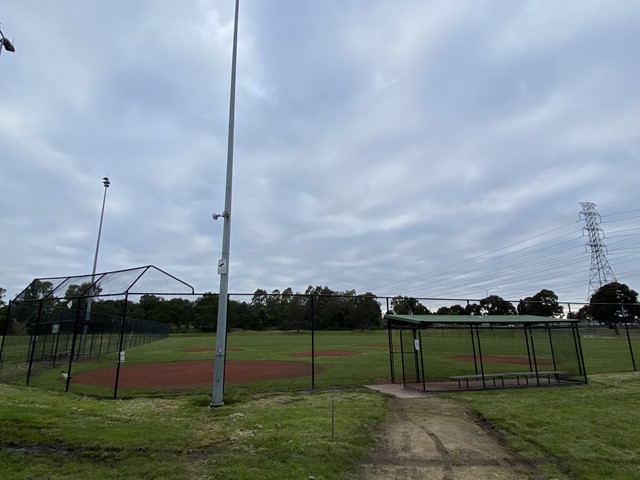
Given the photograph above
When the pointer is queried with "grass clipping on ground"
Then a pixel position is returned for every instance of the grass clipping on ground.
(51, 435)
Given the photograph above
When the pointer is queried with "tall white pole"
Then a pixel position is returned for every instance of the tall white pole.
(223, 263)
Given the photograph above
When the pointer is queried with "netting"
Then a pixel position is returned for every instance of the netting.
(59, 327)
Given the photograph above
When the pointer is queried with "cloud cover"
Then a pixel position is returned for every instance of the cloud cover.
(393, 147)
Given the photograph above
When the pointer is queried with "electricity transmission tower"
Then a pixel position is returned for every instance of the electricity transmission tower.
(600, 273)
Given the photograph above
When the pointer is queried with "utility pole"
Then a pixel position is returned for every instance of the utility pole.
(600, 273)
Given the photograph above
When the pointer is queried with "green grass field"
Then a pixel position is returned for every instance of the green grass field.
(59, 436)
(369, 365)
(584, 432)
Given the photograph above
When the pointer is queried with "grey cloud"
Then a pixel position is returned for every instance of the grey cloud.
(376, 144)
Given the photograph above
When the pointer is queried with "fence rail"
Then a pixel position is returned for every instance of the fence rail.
(151, 344)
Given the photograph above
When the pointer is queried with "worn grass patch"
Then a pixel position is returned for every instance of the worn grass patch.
(52, 435)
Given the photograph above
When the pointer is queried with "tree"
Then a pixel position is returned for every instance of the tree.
(77, 294)
(473, 309)
(26, 312)
(366, 312)
(542, 304)
(260, 297)
(452, 310)
(36, 290)
(205, 312)
(614, 303)
(3, 312)
(408, 306)
(495, 305)
(146, 308)
(583, 314)
(178, 312)
(298, 312)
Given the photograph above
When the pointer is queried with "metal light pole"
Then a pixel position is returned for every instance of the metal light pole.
(223, 263)
(106, 183)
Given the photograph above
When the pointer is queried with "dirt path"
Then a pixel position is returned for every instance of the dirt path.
(435, 438)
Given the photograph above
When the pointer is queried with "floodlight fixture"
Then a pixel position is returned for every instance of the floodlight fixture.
(4, 42)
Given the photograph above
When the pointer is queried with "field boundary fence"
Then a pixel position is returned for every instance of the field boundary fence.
(109, 336)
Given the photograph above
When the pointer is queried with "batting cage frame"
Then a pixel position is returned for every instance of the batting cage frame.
(460, 352)
(63, 322)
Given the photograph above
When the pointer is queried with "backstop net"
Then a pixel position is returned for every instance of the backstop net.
(57, 327)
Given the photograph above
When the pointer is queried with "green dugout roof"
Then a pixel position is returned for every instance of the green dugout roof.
(426, 320)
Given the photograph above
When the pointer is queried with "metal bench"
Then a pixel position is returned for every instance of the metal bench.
(492, 376)
(557, 374)
(548, 374)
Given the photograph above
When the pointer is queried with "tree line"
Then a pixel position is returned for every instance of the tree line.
(320, 307)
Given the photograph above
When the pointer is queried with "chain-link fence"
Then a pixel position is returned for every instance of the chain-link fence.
(116, 339)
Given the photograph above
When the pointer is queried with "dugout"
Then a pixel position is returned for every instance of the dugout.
(434, 353)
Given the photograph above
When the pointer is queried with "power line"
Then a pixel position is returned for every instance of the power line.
(449, 267)
(556, 263)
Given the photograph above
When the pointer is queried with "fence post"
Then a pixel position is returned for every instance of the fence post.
(633, 359)
(553, 354)
(416, 364)
(424, 376)
(526, 341)
(313, 343)
(391, 359)
(480, 354)
(6, 330)
(473, 349)
(33, 342)
(121, 345)
(73, 346)
(581, 357)
(404, 375)
(533, 350)
(55, 348)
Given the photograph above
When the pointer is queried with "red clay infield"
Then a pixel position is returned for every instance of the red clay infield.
(326, 353)
(193, 374)
(503, 359)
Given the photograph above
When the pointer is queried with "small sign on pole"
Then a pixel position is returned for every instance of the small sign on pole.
(122, 356)
(55, 328)
(416, 344)
(222, 266)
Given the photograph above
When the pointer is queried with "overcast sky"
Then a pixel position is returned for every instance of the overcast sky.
(414, 147)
